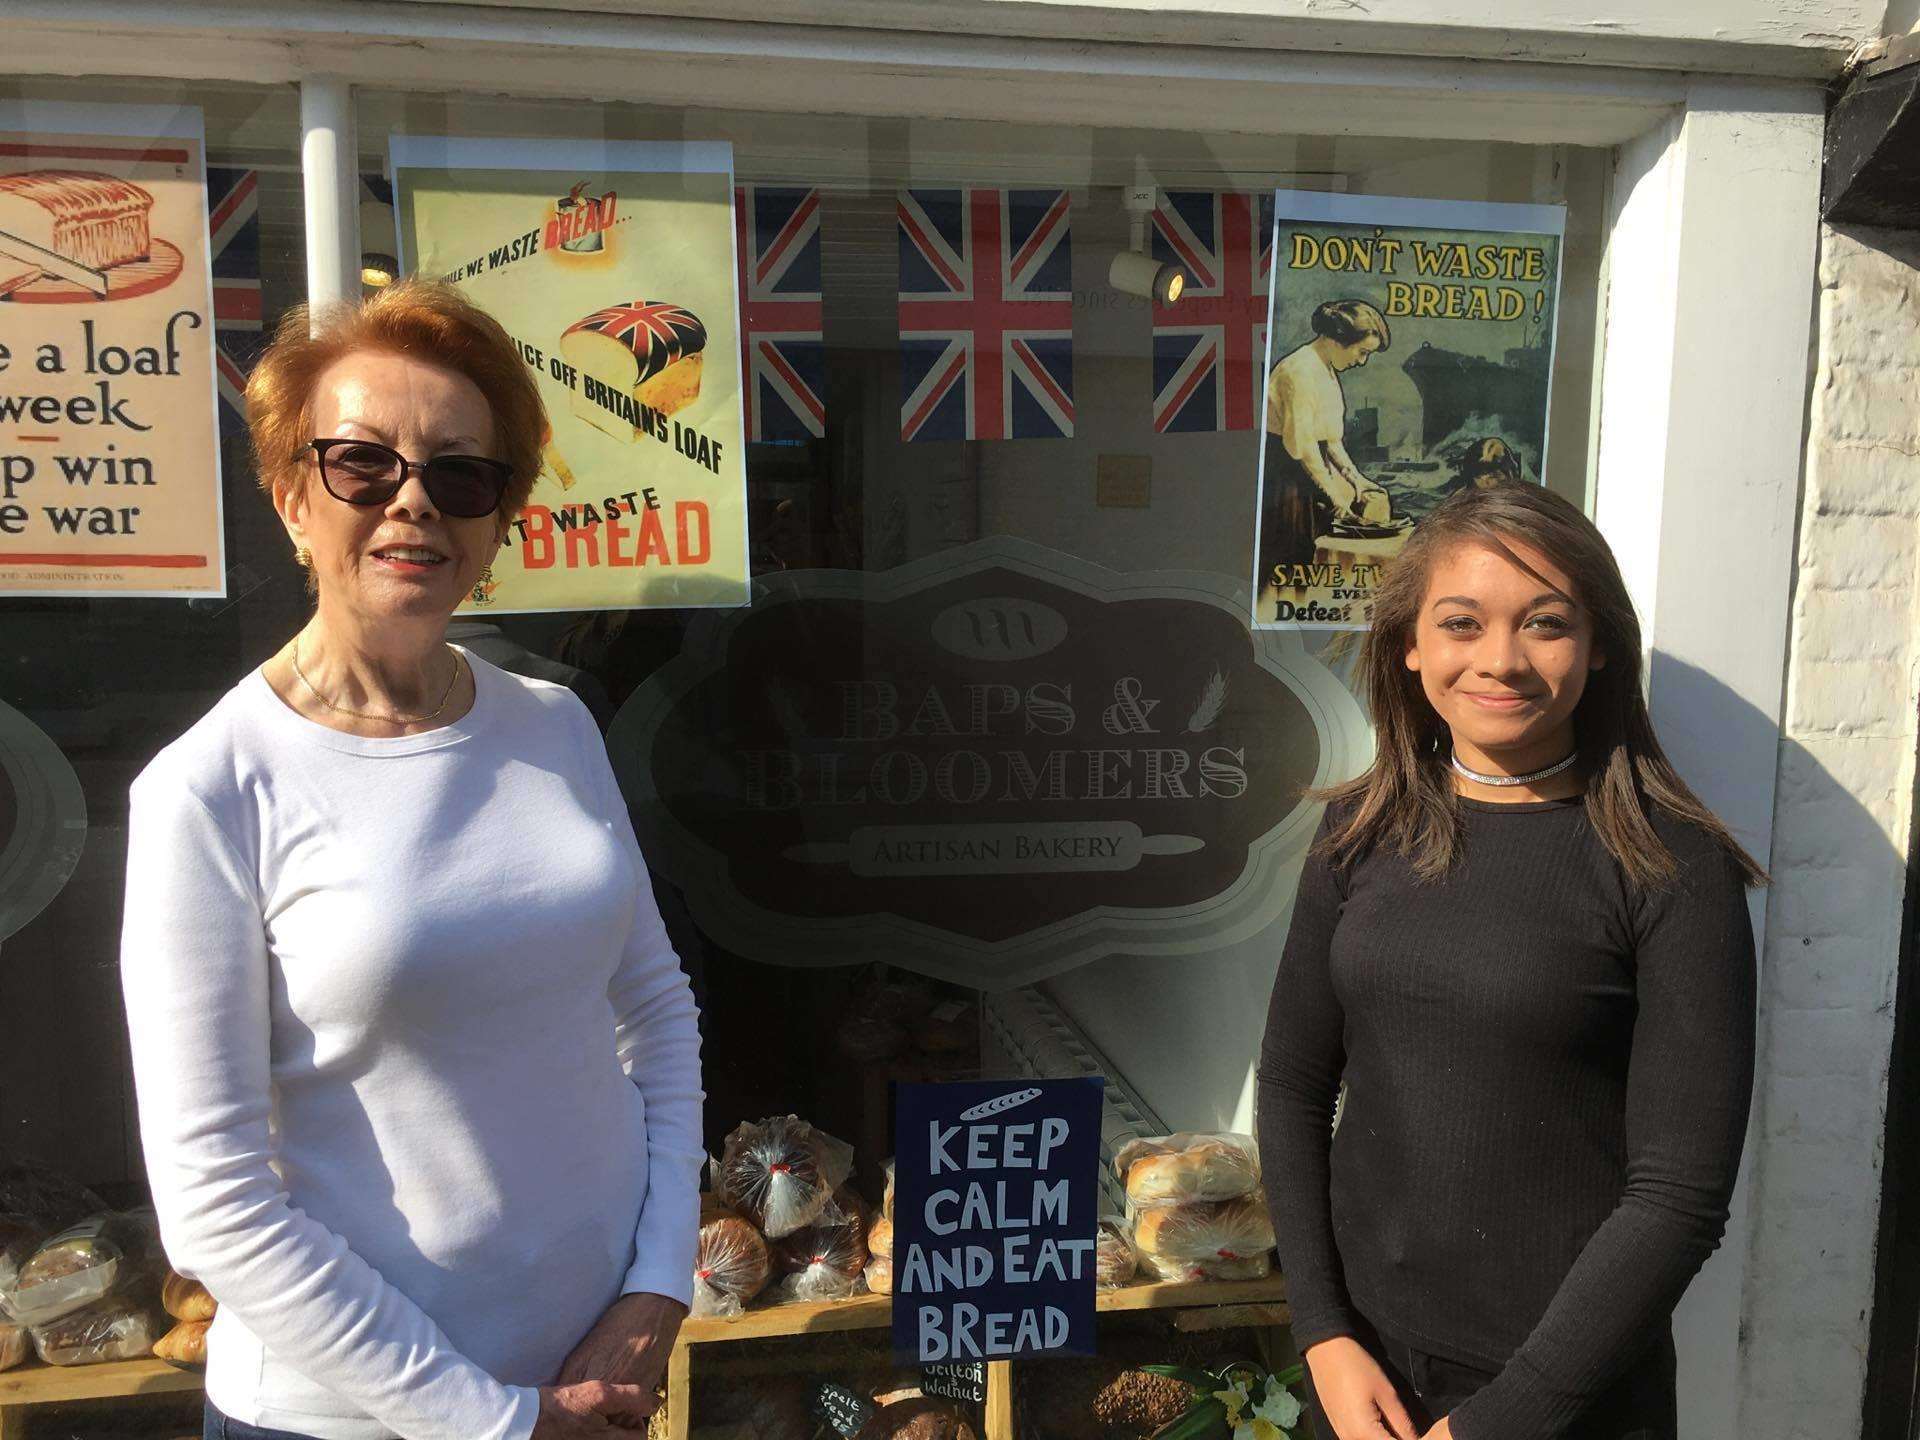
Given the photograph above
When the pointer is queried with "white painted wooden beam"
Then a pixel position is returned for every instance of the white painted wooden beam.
(1709, 336)
(427, 48)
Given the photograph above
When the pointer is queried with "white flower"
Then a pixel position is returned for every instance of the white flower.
(1281, 1407)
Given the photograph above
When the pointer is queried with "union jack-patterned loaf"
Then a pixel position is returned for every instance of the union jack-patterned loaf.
(648, 351)
(95, 220)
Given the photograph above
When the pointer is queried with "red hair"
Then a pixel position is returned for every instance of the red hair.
(423, 319)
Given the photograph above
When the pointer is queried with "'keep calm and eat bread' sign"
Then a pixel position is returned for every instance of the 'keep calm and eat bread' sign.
(995, 1215)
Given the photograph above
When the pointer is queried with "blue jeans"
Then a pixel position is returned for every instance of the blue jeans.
(217, 1426)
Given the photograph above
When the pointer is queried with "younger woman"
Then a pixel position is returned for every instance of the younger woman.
(1522, 945)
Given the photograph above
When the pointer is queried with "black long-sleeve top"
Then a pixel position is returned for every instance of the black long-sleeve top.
(1548, 1073)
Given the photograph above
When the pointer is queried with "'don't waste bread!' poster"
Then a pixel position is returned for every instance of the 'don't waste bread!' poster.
(1409, 354)
(612, 267)
(109, 436)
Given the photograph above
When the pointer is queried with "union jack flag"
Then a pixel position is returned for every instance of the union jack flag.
(986, 314)
(656, 332)
(233, 227)
(783, 353)
(1209, 349)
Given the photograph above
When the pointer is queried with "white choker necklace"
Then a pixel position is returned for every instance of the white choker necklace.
(1479, 779)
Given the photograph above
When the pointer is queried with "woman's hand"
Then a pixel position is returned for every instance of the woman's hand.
(592, 1411)
(1356, 1394)
(629, 1344)
(1442, 1431)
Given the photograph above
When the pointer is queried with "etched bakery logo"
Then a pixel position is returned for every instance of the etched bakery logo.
(932, 755)
(75, 235)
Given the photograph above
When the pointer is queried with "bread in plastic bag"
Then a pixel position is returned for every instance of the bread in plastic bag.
(880, 1237)
(780, 1173)
(104, 1255)
(886, 1197)
(879, 1274)
(35, 1203)
(1162, 1267)
(186, 1299)
(731, 1265)
(184, 1344)
(1115, 1261)
(1180, 1169)
(15, 1344)
(118, 1328)
(824, 1260)
(1206, 1231)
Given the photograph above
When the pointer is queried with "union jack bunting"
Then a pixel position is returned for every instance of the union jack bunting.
(1209, 350)
(986, 314)
(233, 225)
(783, 353)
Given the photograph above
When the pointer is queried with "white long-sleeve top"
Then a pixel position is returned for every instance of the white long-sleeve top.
(418, 1071)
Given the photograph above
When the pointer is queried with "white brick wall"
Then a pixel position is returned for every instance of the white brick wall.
(1840, 832)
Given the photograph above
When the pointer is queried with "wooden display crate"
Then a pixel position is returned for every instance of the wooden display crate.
(36, 1384)
(1199, 1305)
(1203, 1305)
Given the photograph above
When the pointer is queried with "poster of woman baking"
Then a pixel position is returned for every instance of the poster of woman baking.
(611, 264)
(1409, 346)
(109, 432)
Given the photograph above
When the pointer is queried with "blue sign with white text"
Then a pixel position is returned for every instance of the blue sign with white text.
(995, 1214)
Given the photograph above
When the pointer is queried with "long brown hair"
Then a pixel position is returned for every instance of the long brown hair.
(1406, 801)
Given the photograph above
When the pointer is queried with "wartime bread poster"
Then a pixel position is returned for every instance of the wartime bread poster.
(1409, 346)
(109, 439)
(612, 267)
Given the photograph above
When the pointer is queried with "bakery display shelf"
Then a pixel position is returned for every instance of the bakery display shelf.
(1193, 1305)
(36, 1384)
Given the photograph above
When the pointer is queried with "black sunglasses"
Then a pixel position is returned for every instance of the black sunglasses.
(362, 472)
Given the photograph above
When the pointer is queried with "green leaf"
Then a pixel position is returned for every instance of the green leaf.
(1201, 1380)
(1207, 1420)
(1292, 1375)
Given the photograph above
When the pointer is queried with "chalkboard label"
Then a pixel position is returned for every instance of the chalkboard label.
(838, 1407)
(965, 1381)
(996, 1210)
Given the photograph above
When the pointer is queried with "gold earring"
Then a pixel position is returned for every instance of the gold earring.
(303, 557)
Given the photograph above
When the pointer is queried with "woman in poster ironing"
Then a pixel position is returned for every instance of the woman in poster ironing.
(1309, 481)
(1522, 945)
(418, 1071)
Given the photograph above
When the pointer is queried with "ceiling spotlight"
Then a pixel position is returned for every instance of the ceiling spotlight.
(1133, 273)
(378, 241)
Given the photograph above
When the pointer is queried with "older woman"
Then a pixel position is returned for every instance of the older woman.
(418, 1070)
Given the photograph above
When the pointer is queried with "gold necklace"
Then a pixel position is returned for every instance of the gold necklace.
(363, 715)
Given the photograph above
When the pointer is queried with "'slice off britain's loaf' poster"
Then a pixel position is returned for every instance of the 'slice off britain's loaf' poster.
(612, 267)
(109, 434)
(1409, 349)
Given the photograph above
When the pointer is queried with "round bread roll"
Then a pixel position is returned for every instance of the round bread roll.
(879, 1273)
(732, 1262)
(921, 1418)
(880, 1237)
(823, 1259)
(1204, 1170)
(779, 1173)
(186, 1299)
(1208, 1231)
